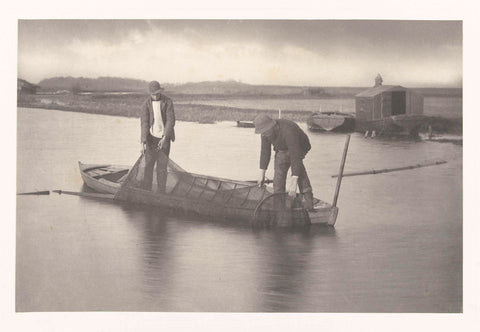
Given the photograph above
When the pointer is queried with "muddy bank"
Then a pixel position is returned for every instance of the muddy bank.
(441, 125)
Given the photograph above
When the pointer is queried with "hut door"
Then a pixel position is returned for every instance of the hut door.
(398, 103)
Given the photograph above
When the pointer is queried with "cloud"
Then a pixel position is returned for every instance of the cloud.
(187, 55)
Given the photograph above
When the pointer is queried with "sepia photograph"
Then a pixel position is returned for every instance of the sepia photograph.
(239, 165)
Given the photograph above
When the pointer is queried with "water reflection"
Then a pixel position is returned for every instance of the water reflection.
(180, 258)
(155, 261)
(286, 266)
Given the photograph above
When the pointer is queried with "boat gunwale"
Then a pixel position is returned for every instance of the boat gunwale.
(87, 167)
(330, 113)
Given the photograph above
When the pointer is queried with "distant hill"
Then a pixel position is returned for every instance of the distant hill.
(212, 87)
(100, 84)
(230, 87)
(440, 92)
(242, 89)
(215, 88)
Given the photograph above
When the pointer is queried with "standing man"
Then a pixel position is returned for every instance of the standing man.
(157, 119)
(291, 145)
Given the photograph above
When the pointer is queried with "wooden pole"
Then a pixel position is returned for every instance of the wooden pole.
(386, 170)
(45, 192)
(279, 113)
(83, 194)
(340, 172)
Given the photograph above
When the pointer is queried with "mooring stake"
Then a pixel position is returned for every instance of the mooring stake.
(340, 172)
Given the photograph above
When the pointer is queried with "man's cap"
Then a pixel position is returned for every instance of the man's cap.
(263, 123)
(154, 87)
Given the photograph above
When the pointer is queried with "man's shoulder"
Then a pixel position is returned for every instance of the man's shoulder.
(166, 99)
(287, 124)
(290, 127)
(145, 102)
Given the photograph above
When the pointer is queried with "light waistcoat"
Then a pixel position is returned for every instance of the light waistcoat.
(156, 129)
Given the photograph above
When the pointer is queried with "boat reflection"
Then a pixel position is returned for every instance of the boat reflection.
(192, 264)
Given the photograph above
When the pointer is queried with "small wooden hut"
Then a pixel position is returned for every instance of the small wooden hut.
(384, 104)
(387, 100)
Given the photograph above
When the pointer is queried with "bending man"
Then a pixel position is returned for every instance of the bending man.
(291, 145)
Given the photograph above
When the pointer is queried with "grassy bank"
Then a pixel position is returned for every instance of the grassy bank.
(128, 105)
(441, 125)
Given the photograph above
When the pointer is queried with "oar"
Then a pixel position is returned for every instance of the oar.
(45, 192)
(387, 170)
(83, 194)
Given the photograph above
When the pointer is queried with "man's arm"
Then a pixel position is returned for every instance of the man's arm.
(265, 153)
(170, 121)
(144, 122)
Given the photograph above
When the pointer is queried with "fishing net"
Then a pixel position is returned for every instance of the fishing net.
(279, 209)
(166, 184)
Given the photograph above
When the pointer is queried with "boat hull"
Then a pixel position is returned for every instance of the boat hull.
(107, 179)
(245, 124)
(100, 184)
(331, 122)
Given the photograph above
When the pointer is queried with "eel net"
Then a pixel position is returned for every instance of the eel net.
(174, 187)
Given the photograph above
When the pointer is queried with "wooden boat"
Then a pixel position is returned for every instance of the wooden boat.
(245, 124)
(331, 121)
(239, 201)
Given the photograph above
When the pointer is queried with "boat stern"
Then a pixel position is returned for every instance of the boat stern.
(323, 213)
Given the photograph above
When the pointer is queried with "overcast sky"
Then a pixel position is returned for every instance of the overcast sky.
(294, 52)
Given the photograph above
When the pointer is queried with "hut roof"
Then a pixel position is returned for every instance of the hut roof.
(379, 89)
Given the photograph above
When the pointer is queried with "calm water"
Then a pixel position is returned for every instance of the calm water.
(396, 247)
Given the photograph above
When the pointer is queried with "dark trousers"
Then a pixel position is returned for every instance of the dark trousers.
(160, 158)
(282, 164)
(282, 203)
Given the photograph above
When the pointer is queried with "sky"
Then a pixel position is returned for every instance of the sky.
(277, 52)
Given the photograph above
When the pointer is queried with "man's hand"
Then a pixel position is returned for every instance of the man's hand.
(292, 190)
(160, 143)
(261, 177)
(143, 148)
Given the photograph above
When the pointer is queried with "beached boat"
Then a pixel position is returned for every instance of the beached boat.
(235, 201)
(245, 124)
(331, 121)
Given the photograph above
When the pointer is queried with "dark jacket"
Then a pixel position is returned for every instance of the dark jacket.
(168, 116)
(289, 137)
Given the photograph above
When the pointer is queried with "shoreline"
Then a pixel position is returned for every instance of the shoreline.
(129, 106)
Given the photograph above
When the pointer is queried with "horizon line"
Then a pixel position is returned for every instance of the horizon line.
(437, 85)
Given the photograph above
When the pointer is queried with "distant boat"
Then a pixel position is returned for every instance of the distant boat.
(245, 124)
(331, 121)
